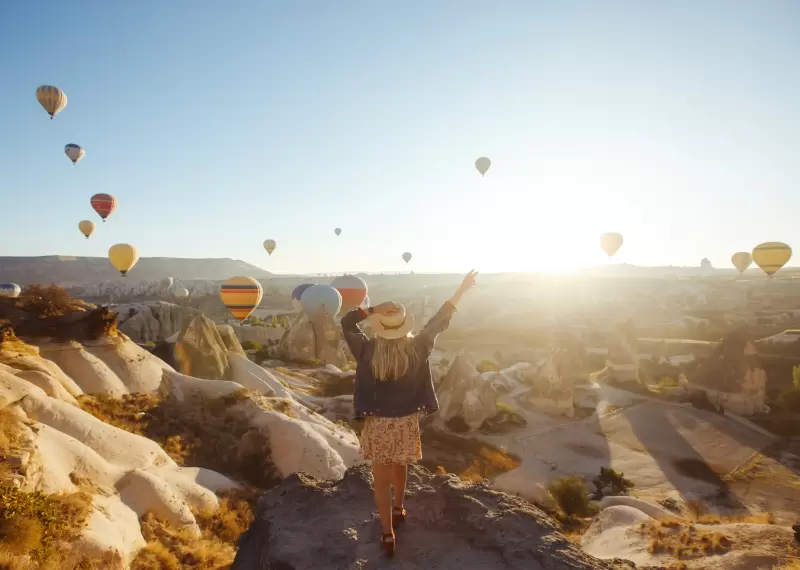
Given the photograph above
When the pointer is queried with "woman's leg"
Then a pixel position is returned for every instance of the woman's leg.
(382, 483)
(399, 477)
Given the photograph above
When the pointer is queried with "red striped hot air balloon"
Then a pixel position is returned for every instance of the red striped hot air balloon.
(104, 204)
(352, 289)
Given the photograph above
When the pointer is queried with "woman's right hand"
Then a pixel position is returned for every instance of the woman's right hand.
(387, 308)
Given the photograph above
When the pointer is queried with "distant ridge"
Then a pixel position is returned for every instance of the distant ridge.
(70, 271)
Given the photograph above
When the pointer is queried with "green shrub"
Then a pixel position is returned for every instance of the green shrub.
(247, 345)
(571, 496)
(619, 484)
(274, 321)
(791, 399)
(668, 382)
(486, 366)
(796, 376)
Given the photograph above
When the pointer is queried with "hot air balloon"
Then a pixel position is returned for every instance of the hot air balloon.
(270, 245)
(365, 303)
(74, 152)
(337, 231)
(52, 99)
(352, 289)
(741, 260)
(406, 257)
(241, 295)
(10, 290)
(86, 227)
(180, 292)
(483, 164)
(297, 294)
(319, 297)
(104, 204)
(611, 242)
(123, 256)
(771, 256)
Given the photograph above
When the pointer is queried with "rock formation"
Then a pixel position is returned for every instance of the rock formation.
(733, 377)
(306, 524)
(152, 321)
(319, 341)
(463, 393)
(201, 350)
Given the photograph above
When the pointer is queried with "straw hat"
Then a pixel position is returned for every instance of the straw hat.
(392, 326)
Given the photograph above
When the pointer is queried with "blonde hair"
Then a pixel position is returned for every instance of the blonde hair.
(392, 358)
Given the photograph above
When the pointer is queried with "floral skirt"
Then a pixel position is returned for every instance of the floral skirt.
(391, 440)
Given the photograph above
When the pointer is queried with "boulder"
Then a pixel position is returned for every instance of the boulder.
(733, 378)
(201, 350)
(230, 340)
(298, 343)
(451, 524)
(320, 340)
(465, 394)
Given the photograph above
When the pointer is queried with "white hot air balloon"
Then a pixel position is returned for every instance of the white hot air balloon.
(74, 152)
(483, 164)
(180, 292)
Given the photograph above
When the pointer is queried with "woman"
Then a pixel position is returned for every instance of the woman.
(393, 386)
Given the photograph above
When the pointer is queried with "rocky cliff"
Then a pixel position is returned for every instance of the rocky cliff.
(306, 524)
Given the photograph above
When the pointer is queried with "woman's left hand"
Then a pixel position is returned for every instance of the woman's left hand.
(468, 282)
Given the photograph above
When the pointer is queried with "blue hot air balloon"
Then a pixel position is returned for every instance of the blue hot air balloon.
(319, 297)
(297, 293)
(10, 290)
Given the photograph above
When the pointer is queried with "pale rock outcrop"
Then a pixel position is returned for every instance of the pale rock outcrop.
(615, 533)
(38, 363)
(139, 370)
(143, 492)
(90, 373)
(253, 377)
(299, 445)
(115, 445)
(451, 524)
(464, 393)
(49, 384)
(184, 388)
(153, 320)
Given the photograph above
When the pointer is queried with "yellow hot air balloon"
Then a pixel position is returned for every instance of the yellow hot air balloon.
(52, 99)
(483, 164)
(123, 256)
(241, 295)
(86, 227)
(270, 245)
(741, 260)
(771, 256)
(611, 242)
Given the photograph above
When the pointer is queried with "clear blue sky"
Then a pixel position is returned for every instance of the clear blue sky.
(220, 124)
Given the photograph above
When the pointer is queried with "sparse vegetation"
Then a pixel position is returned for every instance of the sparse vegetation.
(169, 548)
(683, 540)
(201, 433)
(470, 459)
(486, 366)
(570, 494)
(36, 524)
(248, 345)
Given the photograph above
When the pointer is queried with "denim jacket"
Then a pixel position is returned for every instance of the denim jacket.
(411, 393)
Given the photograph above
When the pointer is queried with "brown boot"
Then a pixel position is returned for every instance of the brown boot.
(398, 516)
(388, 544)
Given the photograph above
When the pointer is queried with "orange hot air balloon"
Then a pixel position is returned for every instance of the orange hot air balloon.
(352, 289)
(104, 204)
